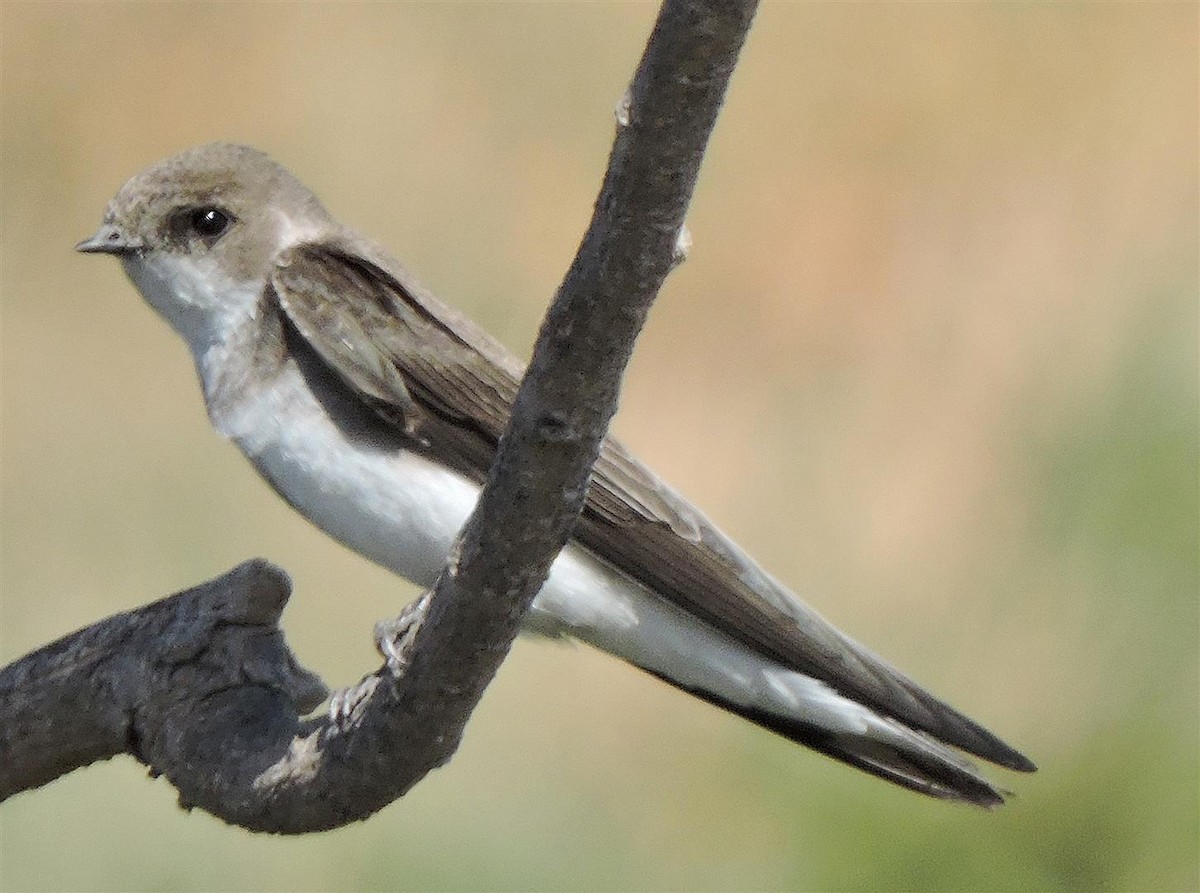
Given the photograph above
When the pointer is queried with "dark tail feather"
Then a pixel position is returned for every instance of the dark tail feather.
(915, 761)
(895, 753)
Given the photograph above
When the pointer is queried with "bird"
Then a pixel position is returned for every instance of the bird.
(375, 410)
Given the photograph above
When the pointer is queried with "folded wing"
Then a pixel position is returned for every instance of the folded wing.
(432, 372)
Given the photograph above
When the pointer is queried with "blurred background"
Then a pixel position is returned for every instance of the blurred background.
(933, 360)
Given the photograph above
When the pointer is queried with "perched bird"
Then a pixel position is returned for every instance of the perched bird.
(375, 411)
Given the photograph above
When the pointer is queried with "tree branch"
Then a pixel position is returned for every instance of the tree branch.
(142, 681)
(202, 688)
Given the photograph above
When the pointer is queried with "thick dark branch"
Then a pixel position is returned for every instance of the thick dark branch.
(235, 746)
(148, 682)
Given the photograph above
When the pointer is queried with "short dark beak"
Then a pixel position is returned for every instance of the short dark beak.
(110, 239)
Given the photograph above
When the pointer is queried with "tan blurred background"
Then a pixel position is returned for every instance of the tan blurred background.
(933, 360)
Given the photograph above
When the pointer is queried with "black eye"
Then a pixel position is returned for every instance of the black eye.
(209, 223)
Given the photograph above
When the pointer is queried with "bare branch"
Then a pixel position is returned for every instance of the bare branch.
(143, 681)
(216, 710)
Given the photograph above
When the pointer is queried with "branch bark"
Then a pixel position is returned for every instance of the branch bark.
(201, 685)
(142, 682)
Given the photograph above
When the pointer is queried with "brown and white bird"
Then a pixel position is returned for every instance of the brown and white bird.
(375, 411)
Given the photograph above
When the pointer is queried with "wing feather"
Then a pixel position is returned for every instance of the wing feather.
(429, 369)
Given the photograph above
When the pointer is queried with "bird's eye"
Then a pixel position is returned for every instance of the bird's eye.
(209, 223)
(204, 224)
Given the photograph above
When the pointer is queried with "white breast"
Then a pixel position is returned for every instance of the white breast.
(403, 511)
(396, 507)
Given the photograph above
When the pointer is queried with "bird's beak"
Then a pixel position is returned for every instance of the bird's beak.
(110, 239)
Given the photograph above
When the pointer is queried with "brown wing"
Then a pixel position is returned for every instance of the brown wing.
(428, 369)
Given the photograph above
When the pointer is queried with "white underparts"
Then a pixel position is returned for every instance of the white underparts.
(403, 511)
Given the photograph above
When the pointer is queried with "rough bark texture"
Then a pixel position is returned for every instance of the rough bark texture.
(201, 686)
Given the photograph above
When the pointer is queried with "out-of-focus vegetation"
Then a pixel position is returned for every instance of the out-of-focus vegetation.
(933, 360)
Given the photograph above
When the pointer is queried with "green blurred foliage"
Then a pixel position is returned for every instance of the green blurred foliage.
(933, 359)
